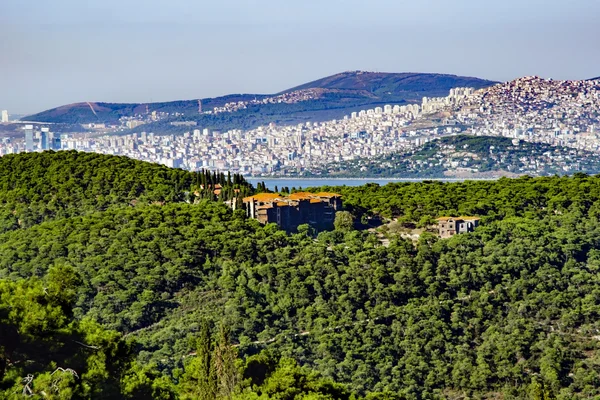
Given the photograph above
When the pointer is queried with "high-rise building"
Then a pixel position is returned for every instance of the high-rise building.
(44, 139)
(28, 137)
(4, 115)
(56, 144)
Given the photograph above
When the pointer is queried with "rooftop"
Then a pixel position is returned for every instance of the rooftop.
(278, 199)
(301, 196)
(328, 194)
(263, 197)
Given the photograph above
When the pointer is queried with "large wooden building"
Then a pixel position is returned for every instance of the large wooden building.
(316, 209)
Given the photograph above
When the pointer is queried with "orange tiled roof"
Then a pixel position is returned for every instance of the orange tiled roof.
(263, 197)
(315, 201)
(282, 204)
(328, 194)
(301, 196)
(273, 197)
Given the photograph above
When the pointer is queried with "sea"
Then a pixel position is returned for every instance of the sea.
(270, 183)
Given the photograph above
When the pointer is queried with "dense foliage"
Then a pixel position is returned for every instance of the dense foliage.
(509, 310)
(37, 187)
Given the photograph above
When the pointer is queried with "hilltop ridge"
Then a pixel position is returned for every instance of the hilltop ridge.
(387, 83)
(337, 95)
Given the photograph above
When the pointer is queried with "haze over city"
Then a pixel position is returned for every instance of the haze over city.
(67, 51)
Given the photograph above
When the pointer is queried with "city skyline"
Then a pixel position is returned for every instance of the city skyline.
(66, 52)
(518, 110)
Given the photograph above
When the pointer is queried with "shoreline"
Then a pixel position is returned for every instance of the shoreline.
(369, 179)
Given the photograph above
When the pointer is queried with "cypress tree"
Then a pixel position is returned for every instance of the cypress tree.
(199, 380)
(227, 375)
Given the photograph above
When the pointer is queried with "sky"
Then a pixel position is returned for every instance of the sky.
(66, 51)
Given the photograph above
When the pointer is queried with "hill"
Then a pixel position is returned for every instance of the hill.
(340, 94)
(98, 112)
(466, 156)
(409, 86)
(37, 187)
(144, 299)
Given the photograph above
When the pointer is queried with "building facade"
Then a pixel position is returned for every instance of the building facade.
(28, 138)
(315, 209)
(450, 226)
(45, 139)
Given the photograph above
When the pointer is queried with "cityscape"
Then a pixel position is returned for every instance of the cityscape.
(558, 113)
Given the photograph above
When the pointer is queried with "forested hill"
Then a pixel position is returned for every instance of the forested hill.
(35, 187)
(168, 299)
(466, 156)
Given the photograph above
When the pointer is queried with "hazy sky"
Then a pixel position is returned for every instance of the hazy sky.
(65, 51)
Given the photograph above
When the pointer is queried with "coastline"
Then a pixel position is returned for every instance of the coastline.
(296, 182)
(273, 178)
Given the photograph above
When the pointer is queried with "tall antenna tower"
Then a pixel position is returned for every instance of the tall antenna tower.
(199, 106)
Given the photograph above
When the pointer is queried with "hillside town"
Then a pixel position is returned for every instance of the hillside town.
(469, 157)
(295, 96)
(559, 113)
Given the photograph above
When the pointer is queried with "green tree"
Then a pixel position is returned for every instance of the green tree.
(344, 221)
(200, 380)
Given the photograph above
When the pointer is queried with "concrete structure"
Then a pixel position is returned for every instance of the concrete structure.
(316, 209)
(45, 139)
(28, 138)
(55, 142)
(450, 226)
(4, 116)
(134, 124)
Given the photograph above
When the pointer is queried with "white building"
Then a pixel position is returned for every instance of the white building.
(4, 116)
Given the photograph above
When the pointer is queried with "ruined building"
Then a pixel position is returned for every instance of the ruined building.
(450, 226)
(316, 209)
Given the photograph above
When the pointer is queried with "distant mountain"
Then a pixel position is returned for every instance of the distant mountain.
(83, 113)
(336, 96)
(408, 85)
(595, 79)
